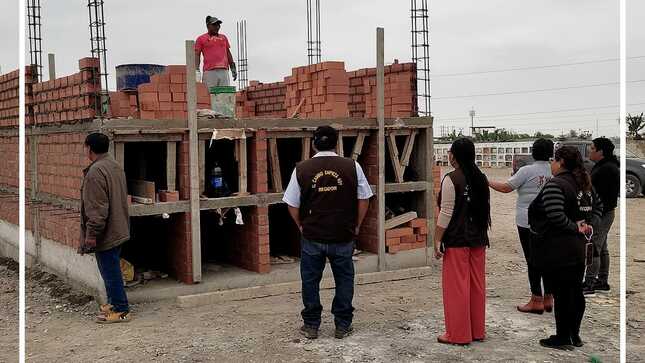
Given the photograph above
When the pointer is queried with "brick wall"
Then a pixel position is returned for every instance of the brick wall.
(71, 98)
(9, 100)
(60, 164)
(399, 94)
(9, 161)
(368, 237)
(322, 88)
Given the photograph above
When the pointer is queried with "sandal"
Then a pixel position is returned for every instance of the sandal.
(443, 340)
(114, 317)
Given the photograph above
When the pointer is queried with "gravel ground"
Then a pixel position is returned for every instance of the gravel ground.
(394, 321)
(8, 310)
(635, 280)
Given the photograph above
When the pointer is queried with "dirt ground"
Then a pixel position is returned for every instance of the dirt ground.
(394, 321)
(8, 310)
(635, 279)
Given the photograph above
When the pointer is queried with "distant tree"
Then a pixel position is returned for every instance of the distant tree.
(573, 134)
(634, 125)
(539, 135)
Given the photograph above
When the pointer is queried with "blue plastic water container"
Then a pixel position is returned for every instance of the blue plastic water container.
(129, 76)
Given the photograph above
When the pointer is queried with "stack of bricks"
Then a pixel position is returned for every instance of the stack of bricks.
(71, 98)
(412, 235)
(357, 92)
(164, 98)
(9, 100)
(322, 88)
(400, 94)
(261, 100)
(123, 104)
(60, 164)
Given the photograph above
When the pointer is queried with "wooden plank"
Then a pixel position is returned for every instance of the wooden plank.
(407, 151)
(147, 137)
(306, 148)
(142, 188)
(274, 165)
(141, 210)
(119, 153)
(297, 110)
(202, 166)
(171, 165)
(242, 165)
(400, 219)
(142, 200)
(340, 149)
(194, 179)
(380, 115)
(358, 145)
(394, 157)
(417, 186)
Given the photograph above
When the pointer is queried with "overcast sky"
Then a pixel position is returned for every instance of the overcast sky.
(466, 36)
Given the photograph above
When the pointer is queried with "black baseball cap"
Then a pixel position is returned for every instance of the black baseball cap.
(212, 20)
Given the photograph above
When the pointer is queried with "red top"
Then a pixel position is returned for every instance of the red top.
(214, 48)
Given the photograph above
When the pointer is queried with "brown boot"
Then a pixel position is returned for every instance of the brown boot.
(548, 303)
(534, 306)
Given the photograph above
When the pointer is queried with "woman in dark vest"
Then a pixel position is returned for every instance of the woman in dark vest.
(562, 215)
(461, 238)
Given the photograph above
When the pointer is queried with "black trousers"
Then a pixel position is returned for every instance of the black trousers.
(568, 299)
(535, 275)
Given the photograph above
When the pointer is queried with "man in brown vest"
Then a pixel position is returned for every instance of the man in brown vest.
(328, 197)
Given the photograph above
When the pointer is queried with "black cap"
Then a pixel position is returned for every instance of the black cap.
(212, 20)
(325, 138)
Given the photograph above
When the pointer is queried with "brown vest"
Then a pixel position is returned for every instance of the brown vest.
(328, 198)
(461, 231)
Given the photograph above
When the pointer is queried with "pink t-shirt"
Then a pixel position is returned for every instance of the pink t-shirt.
(214, 49)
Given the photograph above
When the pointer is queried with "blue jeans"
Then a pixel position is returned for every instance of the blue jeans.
(109, 263)
(312, 264)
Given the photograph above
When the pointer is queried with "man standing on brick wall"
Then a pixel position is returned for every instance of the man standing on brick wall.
(105, 223)
(328, 197)
(217, 55)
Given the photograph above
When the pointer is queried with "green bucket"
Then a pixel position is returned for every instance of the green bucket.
(221, 89)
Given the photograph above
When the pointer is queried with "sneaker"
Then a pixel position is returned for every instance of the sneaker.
(309, 331)
(555, 342)
(602, 287)
(341, 333)
(577, 342)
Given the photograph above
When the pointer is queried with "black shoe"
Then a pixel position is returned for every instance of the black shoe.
(589, 290)
(577, 342)
(602, 287)
(309, 331)
(556, 343)
(343, 332)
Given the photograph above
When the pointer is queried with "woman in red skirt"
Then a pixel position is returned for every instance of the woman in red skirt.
(461, 238)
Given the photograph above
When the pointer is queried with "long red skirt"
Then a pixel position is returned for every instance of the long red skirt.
(464, 294)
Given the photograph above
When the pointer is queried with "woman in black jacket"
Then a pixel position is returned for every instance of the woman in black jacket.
(461, 238)
(563, 215)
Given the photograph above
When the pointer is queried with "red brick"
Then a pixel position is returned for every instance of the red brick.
(175, 69)
(164, 97)
(409, 238)
(399, 232)
(418, 223)
(392, 241)
(178, 97)
(168, 196)
(177, 78)
(88, 63)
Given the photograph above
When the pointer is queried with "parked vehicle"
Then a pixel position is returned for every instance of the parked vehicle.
(582, 145)
(635, 170)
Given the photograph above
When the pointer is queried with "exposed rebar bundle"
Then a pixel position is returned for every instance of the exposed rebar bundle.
(421, 52)
(314, 53)
(242, 56)
(99, 51)
(35, 37)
